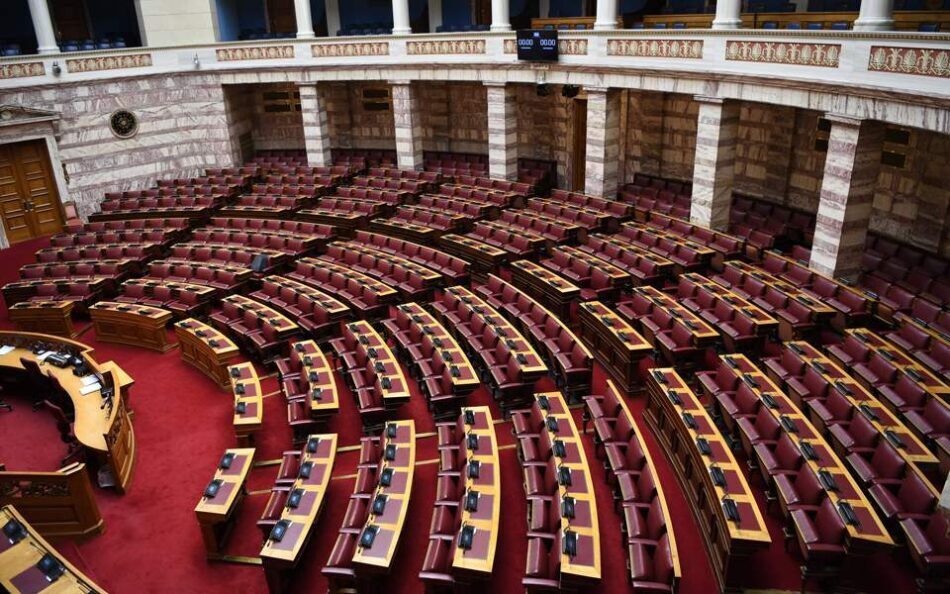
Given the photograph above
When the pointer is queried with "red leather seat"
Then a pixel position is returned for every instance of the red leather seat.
(912, 499)
(651, 566)
(929, 548)
(883, 466)
(801, 491)
(820, 533)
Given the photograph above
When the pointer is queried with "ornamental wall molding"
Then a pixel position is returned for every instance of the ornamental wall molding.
(824, 55)
(683, 49)
(267, 52)
(910, 60)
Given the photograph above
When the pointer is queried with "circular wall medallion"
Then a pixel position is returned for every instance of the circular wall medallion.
(123, 123)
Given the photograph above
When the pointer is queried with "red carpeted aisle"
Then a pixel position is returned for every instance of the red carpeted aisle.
(183, 423)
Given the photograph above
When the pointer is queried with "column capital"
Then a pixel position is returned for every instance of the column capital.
(845, 120)
(494, 83)
(401, 82)
(709, 99)
(597, 90)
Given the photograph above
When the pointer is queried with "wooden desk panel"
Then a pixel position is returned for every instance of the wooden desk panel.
(379, 557)
(703, 334)
(467, 379)
(679, 420)
(554, 291)
(368, 338)
(215, 513)
(322, 393)
(133, 325)
(615, 344)
(44, 317)
(207, 349)
(247, 391)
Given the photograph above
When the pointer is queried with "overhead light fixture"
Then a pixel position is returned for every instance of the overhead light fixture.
(197, 62)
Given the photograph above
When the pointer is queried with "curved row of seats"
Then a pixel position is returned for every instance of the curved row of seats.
(470, 207)
(647, 536)
(519, 188)
(727, 246)
(742, 325)
(218, 194)
(929, 348)
(164, 202)
(554, 229)
(499, 198)
(301, 179)
(517, 242)
(97, 237)
(590, 219)
(412, 174)
(644, 266)
(365, 295)
(309, 388)
(411, 186)
(83, 291)
(312, 309)
(456, 270)
(773, 222)
(224, 278)
(440, 366)
(411, 279)
(116, 270)
(375, 194)
(285, 243)
(268, 260)
(255, 326)
(616, 208)
(185, 300)
(509, 361)
(681, 252)
(291, 228)
(565, 353)
(598, 279)
(265, 205)
(310, 190)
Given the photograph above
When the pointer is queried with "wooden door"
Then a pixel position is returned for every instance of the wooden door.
(29, 202)
(579, 176)
(69, 19)
(282, 16)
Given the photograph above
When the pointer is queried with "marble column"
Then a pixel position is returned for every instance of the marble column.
(316, 128)
(401, 24)
(606, 15)
(43, 25)
(847, 194)
(500, 17)
(875, 15)
(435, 15)
(408, 125)
(728, 15)
(502, 131)
(717, 126)
(304, 19)
(601, 175)
(332, 8)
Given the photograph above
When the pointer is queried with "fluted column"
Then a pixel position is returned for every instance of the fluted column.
(875, 15)
(847, 194)
(500, 16)
(43, 25)
(401, 25)
(606, 15)
(408, 125)
(502, 131)
(728, 15)
(304, 19)
(316, 128)
(603, 142)
(717, 126)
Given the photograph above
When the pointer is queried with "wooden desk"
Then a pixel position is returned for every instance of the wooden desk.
(880, 417)
(551, 289)
(18, 563)
(603, 220)
(585, 567)
(322, 393)
(44, 317)
(406, 230)
(94, 416)
(24, 290)
(616, 345)
(279, 557)
(244, 379)
(368, 338)
(130, 324)
(378, 558)
(485, 258)
(477, 561)
(869, 535)
(678, 420)
(215, 514)
(207, 349)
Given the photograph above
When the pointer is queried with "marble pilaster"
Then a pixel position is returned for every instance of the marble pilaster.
(717, 126)
(502, 131)
(408, 125)
(603, 142)
(316, 128)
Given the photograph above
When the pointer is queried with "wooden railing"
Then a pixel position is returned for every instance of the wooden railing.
(905, 20)
(58, 503)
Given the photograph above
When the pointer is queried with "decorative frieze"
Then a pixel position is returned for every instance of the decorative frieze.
(350, 50)
(782, 52)
(691, 49)
(565, 47)
(95, 63)
(446, 46)
(22, 70)
(910, 60)
(267, 52)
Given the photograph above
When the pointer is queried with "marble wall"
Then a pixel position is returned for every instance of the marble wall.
(183, 128)
(455, 117)
(351, 124)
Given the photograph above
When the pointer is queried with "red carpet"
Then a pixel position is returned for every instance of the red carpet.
(183, 423)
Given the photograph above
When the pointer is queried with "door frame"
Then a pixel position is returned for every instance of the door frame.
(34, 124)
(578, 179)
